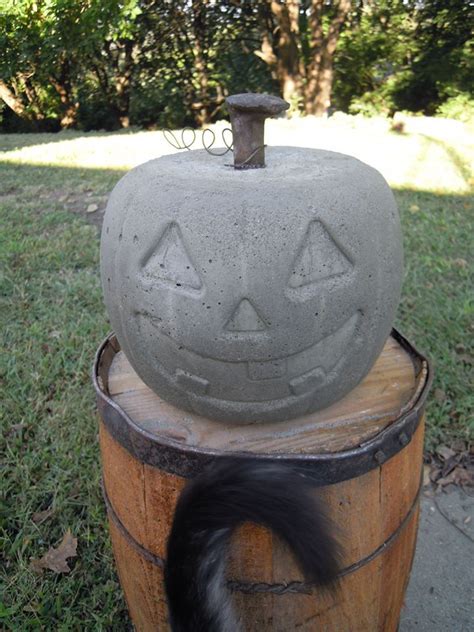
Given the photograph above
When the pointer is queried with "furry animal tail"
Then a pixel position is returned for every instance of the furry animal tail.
(229, 493)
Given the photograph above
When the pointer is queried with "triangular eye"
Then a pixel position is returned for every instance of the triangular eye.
(169, 261)
(319, 258)
(245, 318)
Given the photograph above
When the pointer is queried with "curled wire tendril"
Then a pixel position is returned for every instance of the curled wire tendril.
(174, 142)
(182, 143)
(208, 146)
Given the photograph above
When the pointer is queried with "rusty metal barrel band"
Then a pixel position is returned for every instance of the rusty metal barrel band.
(324, 469)
(294, 586)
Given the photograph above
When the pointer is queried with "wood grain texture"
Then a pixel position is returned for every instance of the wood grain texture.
(367, 509)
(366, 410)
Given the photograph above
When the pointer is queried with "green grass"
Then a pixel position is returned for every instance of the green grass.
(436, 310)
(53, 319)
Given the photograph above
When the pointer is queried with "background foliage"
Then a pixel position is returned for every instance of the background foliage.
(92, 64)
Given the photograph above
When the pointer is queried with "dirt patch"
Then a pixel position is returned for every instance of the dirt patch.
(91, 206)
(87, 203)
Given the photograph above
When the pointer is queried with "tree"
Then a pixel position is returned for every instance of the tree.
(95, 64)
(374, 52)
(20, 37)
(281, 46)
(322, 46)
(52, 47)
(299, 41)
(442, 57)
(201, 47)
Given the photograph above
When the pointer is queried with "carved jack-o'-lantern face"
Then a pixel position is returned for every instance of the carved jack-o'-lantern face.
(252, 296)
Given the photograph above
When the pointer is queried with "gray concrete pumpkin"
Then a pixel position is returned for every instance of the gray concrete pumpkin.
(252, 295)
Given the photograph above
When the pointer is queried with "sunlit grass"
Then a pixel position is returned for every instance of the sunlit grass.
(430, 154)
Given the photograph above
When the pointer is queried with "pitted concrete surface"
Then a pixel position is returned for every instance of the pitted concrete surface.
(440, 596)
(252, 295)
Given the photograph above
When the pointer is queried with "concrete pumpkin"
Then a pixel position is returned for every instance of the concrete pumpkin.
(252, 295)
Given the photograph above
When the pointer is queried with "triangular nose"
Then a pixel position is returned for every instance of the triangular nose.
(245, 318)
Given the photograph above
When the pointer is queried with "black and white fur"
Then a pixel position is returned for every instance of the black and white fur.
(212, 505)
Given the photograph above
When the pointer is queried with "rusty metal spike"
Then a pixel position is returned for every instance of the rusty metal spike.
(247, 113)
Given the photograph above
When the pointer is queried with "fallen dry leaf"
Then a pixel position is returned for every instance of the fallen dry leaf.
(447, 480)
(439, 395)
(17, 428)
(464, 476)
(92, 208)
(459, 476)
(449, 465)
(460, 263)
(426, 475)
(55, 559)
(435, 474)
(444, 452)
(41, 516)
(458, 445)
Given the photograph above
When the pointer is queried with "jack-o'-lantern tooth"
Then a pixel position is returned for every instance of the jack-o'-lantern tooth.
(318, 258)
(308, 381)
(245, 318)
(266, 370)
(169, 261)
(191, 382)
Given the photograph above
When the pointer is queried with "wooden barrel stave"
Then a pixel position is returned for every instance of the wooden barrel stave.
(371, 510)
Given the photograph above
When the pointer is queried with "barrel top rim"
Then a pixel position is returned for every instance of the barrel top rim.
(184, 459)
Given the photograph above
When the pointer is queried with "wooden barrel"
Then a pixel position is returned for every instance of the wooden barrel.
(365, 453)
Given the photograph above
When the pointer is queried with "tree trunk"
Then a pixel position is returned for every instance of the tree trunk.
(122, 87)
(69, 106)
(116, 80)
(281, 46)
(288, 64)
(123, 81)
(33, 98)
(13, 102)
(201, 104)
(322, 49)
(322, 99)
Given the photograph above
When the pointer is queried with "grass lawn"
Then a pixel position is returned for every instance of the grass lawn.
(53, 320)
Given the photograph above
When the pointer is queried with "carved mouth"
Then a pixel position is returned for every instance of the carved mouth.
(293, 376)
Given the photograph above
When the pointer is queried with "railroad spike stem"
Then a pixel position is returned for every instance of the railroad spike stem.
(247, 113)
